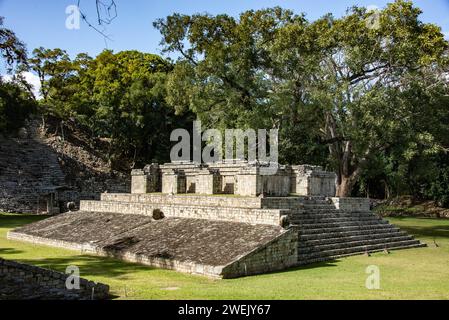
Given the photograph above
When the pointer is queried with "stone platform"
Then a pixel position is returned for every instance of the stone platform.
(220, 236)
(213, 248)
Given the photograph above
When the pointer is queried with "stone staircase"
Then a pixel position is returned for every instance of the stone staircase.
(27, 168)
(326, 233)
(34, 164)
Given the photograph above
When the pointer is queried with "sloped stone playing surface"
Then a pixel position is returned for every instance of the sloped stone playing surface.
(199, 242)
(83, 227)
(193, 238)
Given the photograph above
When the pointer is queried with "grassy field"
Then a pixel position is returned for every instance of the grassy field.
(408, 274)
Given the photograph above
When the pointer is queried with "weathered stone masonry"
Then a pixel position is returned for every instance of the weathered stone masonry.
(21, 281)
(236, 177)
(222, 220)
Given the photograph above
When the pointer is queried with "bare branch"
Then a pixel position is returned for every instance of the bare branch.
(106, 13)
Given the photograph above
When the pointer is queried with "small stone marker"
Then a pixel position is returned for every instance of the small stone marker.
(158, 214)
(71, 206)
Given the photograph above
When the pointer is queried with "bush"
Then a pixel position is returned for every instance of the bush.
(438, 188)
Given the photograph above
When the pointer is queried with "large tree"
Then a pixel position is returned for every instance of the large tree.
(375, 84)
(119, 96)
(228, 76)
(12, 50)
(16, 103)
(129, 89)
(358, 84)
(53, 67)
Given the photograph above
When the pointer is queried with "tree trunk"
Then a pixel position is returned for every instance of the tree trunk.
(345, 184)
(340, 149)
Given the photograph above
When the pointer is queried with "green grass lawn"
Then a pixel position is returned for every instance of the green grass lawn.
(407, 274)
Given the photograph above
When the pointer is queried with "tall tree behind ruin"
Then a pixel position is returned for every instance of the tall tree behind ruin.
(358, 88)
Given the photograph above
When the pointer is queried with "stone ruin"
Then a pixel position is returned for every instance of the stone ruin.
(222, 220)
(20, 281)
(233, 178)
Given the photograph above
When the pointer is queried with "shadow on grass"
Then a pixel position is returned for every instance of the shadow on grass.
(324, 264)
(15, 221)
(427, 232)
(90, 265)
(436, 230)
(9, 251)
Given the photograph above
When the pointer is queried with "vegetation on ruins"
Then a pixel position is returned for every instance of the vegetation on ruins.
(365, 95)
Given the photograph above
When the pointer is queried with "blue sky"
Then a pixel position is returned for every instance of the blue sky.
(42, 23)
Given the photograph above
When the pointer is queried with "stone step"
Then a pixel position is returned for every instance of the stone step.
(365, 236)
(317, 206)
(328, 211)
(332, 213)
(309, 203)
(305, 247)
(329, 225)
(321, 230)
(314, 198)
(335, 235)
(320, 220)
(316, 201)
(307, 261)
(357, 249)
(307, 215)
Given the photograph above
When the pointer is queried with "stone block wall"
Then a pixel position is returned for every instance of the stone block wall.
(139, 182)
(239, 178)
(244, 215)
(20, 279)
(208, 183)
(352, 204)
(282, 202)
(279, 254)
(228, 185)
(276, 185)
(173, 183)
(188, 200)
(249, 184)
(312, 181)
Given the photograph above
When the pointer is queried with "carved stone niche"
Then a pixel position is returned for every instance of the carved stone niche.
(174, 182)
(147, 180)
(208, 182)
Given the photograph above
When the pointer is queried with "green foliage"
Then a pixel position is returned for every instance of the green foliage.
(358, 90)
(15, 106)
(436, 186)
(368, 100)
(12, 50)
(118, 96)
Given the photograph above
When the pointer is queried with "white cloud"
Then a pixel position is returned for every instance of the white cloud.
(32, 79)
(446, 35)
(372, 7)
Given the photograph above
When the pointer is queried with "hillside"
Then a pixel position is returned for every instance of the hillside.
(56, 158)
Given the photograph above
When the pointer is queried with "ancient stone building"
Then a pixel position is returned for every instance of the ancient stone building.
(236, 177)
(222, 220)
